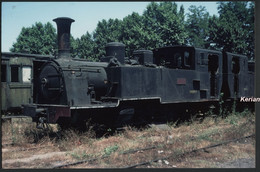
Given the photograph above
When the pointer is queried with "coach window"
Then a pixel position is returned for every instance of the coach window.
(235, 65)
(3, 73)
(187, 59)
(213, 63)
(162, 61)
(26, 74)
(251, 66)
(178, 60)
(203, 59)
(14, 73)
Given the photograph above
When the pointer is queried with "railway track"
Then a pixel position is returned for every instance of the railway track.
(153, 160)
(188, 152)
(106, 156)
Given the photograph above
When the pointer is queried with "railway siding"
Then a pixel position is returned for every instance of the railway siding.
(155, 147)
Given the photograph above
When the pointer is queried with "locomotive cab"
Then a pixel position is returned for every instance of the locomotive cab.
(192, 69)
(176, 57)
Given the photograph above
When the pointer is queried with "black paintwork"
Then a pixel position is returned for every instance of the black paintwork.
(154, 81)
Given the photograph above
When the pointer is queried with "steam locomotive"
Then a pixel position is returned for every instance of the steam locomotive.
(153, 85)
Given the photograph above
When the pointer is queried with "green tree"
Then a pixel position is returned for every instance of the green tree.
(160, 25)
(250, 26)
(132, 33)
(233, 30)
(105, 32)
(164, 25)
(38, 39)
(197, 26)
(84, 47)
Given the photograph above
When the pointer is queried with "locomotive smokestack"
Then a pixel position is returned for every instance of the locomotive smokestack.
(63, 25)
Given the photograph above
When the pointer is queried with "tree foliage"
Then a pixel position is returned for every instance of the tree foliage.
(164, 25)
(197, 25)
(233, 30)
(132, 33)
(38, 39)
(106, 31)
(161, 24)
(83, 47)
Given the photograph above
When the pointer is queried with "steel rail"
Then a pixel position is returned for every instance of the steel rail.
(105, 156)
(188, 152)
(149, 148)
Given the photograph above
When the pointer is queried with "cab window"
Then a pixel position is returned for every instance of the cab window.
(187, 59)
(26, 74)
(203, 59)
(178, 60)
(14, 73)
(3, 73)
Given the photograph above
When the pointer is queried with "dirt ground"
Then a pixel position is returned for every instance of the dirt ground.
(23, 149)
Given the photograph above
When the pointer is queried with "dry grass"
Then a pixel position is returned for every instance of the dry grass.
(178, 139)
(171, 140)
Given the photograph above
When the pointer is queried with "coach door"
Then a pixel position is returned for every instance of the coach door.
(19, 81)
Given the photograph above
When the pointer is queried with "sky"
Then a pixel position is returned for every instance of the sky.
(16, 15)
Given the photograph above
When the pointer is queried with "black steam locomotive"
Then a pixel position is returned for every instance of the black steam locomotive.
(153, 85)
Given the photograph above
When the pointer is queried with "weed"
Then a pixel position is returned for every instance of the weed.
(87, 156)
(172, 123)
(110, 149)
(180, 139)
(234, 106)
(208, 134)
(193, 118)
(221, 101)
(235, 117)
(233, 120)
(76, 155)
(13, 130)
(81, 155)
(245, 112)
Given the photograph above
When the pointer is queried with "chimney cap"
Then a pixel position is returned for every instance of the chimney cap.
(63, 18)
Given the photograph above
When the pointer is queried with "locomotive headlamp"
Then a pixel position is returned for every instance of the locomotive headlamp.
(105, 81)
